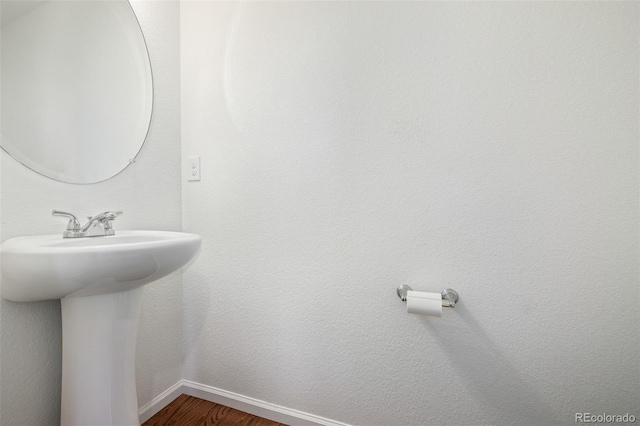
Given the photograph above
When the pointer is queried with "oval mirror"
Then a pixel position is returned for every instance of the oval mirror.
(76, 89)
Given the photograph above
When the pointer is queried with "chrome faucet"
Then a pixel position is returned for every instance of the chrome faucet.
(98, 225)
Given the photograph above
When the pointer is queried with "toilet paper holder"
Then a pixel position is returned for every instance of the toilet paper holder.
(449, 296)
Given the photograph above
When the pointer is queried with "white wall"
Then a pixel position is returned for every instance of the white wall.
(149, 193)
(349, 147)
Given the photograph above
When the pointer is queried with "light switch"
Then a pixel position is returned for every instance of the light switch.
(194, 168)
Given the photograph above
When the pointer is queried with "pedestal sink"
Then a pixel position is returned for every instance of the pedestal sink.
(99, 281)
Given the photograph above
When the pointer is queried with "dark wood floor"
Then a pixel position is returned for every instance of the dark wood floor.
(191, 411)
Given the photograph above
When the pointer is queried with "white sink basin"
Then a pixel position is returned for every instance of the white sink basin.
(51, 267)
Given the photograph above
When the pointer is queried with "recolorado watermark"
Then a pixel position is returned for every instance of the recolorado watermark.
(605, 418)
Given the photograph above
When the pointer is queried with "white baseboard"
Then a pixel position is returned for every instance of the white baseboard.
(159, 402)
(239, 402)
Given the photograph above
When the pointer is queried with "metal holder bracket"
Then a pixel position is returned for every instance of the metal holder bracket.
(449, 297)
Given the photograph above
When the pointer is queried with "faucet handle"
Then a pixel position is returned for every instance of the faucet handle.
(107, 215)
(105, 220)
(113, 215)
(73, 220)
(73, 226)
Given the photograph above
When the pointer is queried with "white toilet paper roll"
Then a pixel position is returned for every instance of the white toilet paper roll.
(423, 303)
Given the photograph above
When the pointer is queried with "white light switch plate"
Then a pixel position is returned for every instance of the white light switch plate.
(194, 168)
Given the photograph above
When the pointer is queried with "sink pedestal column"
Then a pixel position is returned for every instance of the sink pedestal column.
(98, 359)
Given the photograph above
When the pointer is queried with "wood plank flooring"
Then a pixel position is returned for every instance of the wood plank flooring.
(190, 411)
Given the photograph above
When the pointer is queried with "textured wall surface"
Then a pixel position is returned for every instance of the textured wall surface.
(349, 147)
(149, 193)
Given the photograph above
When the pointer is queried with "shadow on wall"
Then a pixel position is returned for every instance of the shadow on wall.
(491, 378)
